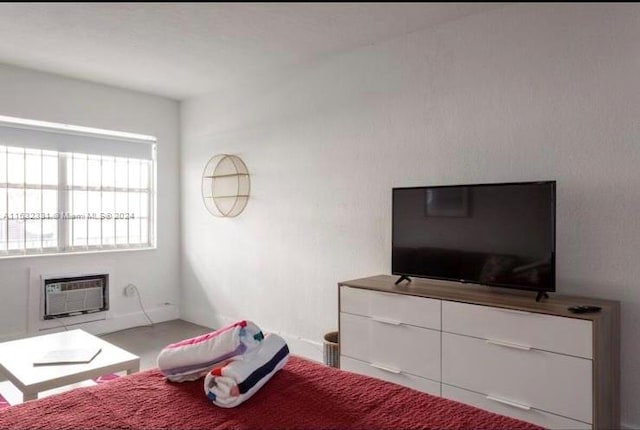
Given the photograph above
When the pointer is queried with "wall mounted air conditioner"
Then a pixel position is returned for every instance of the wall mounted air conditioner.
(70, 296)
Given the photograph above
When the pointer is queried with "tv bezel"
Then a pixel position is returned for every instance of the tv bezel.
(552, 287)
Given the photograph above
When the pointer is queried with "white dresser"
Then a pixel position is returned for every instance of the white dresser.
(492, 348)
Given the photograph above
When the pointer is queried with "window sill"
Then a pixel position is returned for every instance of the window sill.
(78, 252)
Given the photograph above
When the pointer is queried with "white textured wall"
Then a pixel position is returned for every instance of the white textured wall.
(34, 95)
(526, 92)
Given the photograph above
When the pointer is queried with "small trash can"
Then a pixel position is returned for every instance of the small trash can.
(331, 349)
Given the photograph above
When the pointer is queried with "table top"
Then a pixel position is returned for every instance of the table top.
(16, 359)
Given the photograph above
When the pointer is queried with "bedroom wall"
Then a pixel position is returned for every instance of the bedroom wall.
(525, 92)
(41, 96)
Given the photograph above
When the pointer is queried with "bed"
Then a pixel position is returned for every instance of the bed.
(303, 395)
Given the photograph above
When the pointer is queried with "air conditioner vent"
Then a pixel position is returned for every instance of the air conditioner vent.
(76, 295)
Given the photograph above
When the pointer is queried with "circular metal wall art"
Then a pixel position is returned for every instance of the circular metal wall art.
(225, 185)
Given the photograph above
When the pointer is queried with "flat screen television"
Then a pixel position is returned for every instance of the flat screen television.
(490, 234)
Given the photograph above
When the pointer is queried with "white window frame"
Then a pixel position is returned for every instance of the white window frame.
(64, 190)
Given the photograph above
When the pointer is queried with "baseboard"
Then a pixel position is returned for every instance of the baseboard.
(206, 319)
(107, 325)
(12, 336)
(134, 319)
(298, 345)
(301, 346)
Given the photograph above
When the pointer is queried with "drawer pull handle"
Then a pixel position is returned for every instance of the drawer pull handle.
(509, 403)
(513, 311)
(509, 345)
(386, 321)
(385, 368)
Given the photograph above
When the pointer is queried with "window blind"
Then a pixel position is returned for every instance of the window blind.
(60, 140)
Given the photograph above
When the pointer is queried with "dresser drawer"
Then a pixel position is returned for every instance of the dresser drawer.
(399, 347)
(400, 378)
(551, 333)
(551, 382)
(499, 406)
(412, 310)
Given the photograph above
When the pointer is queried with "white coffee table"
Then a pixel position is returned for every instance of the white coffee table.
(16, 362)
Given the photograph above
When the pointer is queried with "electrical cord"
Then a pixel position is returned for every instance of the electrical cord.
(151, 323)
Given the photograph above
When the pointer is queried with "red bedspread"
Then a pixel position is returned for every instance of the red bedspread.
(304, 395)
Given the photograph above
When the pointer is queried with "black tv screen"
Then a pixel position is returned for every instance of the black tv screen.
(491, 234)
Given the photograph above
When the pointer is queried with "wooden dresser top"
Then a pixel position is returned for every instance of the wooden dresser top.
(556, 304)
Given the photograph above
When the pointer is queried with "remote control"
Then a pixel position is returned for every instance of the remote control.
(584, 309)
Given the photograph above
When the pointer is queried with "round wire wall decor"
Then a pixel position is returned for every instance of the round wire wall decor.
(225, 185)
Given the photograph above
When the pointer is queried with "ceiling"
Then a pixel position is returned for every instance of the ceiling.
(180, 50)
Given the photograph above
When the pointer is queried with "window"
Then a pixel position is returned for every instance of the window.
(63, 192)
(116, 188)
(28, 184)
